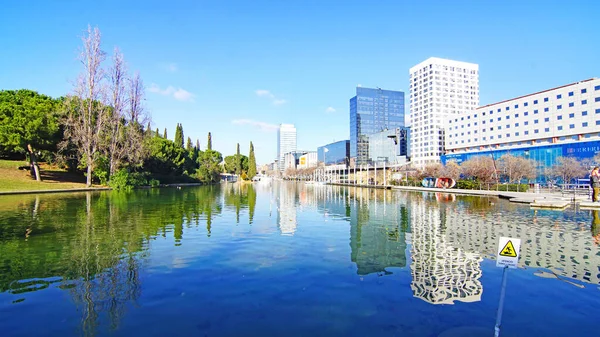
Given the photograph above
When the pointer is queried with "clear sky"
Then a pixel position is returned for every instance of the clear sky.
(239, 68)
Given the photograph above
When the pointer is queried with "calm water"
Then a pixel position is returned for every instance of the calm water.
(290, 260)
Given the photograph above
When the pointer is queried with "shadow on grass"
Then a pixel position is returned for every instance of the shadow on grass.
(61, 177)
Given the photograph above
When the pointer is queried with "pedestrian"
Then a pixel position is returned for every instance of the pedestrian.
(595, 182)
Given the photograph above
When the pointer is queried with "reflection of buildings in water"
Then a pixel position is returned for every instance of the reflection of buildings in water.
(286, 213)
(567, 253)
(442, 272)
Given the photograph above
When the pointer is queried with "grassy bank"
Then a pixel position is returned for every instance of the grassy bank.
(54, 178)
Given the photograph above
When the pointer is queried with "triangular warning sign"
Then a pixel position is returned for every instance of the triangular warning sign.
(508, 250)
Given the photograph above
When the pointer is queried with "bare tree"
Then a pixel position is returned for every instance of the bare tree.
(568, 168)
(136, 118)
(517, 168)
(117, 138)
(431, 170)
(481, 168)
(86, 114)
(452, 170)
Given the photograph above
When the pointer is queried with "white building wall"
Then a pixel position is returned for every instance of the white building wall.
(560, 115)
(308, 160)
(439, 88)
(286, 142)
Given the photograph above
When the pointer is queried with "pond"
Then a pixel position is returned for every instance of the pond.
(287, 259)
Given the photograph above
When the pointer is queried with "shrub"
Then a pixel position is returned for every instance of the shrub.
(123, 180)
(154, 183)
(467, 184)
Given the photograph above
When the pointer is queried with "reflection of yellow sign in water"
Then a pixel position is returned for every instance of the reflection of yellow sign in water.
(508, 250)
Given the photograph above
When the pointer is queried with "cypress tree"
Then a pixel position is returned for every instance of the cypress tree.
(251, 163)
(238, 160)
(189, 145)
(178, 135)
(165, 134)
(197, 144)
(209, 143)
(148, 129)
(157, 134)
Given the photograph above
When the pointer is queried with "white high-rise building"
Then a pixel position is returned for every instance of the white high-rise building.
(286, 142)
(439, 88)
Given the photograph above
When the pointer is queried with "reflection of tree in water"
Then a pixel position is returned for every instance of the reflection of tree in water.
(239, 196)
(93, 245)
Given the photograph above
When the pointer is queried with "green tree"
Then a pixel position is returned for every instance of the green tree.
(251, 163)
(209, 143)
(165, 134)
(232, 163)
(189, 145)
(157, 133)
(209, 166)
(179, 135)
(238, 161)
(28, 123)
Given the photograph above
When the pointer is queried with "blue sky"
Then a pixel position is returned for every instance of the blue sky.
(239, 68)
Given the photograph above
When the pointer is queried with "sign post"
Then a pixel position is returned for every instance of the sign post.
(507, 257)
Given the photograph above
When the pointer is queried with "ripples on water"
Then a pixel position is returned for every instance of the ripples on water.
(290, 259)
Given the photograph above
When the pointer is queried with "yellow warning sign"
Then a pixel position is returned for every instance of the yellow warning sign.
(508, 250)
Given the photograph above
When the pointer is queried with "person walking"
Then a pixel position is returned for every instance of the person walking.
(595, 182)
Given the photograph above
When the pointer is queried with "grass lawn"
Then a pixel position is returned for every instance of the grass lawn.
(53, 178)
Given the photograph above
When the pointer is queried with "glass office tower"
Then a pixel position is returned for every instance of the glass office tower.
(372, 111)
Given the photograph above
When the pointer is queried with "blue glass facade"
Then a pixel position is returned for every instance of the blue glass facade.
(544, 155)
(372, 111)
(337, 153)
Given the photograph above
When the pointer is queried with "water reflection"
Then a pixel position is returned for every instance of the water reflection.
(92, 245)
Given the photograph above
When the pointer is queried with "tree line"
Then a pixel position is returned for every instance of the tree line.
(103, 129)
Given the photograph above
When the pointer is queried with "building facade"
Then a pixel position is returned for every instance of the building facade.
(390, 146)
(439, 88)
(308, 160)
(336, 153)
(372, 111)
(286, 142)
(292, 159)
(563, 121)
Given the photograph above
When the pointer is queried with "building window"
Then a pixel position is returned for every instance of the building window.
(571, 105)
(499, 110)
(545, 99)
(598, 111)
(571, 126)
(597, 99)
(597, 87)
(516, 125)
(597, 122)
(546, 109)
(499, 118)
(570, 93)
(547, 119)
(499, 127)
(516, 106)
(584, 113)
(507, 108)
(584, 102)
(508, 126)
(507, 117)
(571, 115)
(583, 91)
(536, 131)
(559, 117)
(526, 123)
(558, 107)
(535, 102)
(525, 104)
(516, 134)
(535, 121)
(526, 132)
(558, 96)
(535, 111)
(584, 124)
(516, 115)
(559, 128)
(547, 130)
(526, 113)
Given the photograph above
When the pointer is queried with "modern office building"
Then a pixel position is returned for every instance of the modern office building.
(563, 121)
(308, 160)
(286, 142)
(439, 88)
(372, 111)
(292, 159)
(337, 153)
(390, 146)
